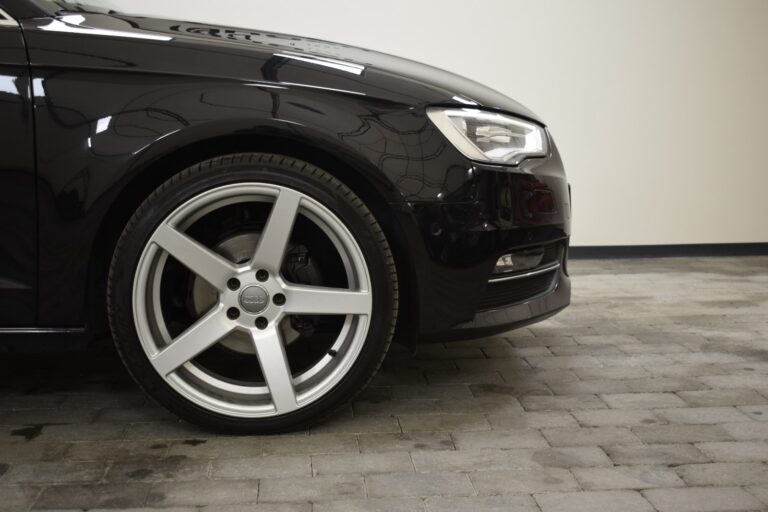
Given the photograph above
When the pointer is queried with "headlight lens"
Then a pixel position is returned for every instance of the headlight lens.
(488, 136)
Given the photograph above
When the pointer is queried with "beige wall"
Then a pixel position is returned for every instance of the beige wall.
(659, 107)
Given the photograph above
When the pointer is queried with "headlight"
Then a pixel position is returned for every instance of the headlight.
(488, 136)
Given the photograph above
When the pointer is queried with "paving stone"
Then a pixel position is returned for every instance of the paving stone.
(481, 405)
(53, 472)
(616, 386)
(165, 430)
(744, 431)
(661, 434)
(132, 415)
(522, 352)
(80, 433)
(523, 481)
(570, 456)
(93, 496)
(561, 403)
(32, 452)
(157, 470)
(753, 381)
(759, 491)
(756, 412)
(590, 501)
(611, 373)
(722, 397)
(702, 499)
(533, 419)
(422, 485)
(549, 376)
(545, 341)
(443, 422)
(14, 499)
(396, 406)
(702, 415)
(626, 477)
(589, 436)
(464, 377)
(657, 348)
(642, 400)
(439, 351)
(370, 505)
(687, 371)
(263, 507)
(448, 391)
(508, 351)
(49, 416)
(616, 417)
(503, 439)
(411, 441)
(582, 350)
(606, 339)
(99, 400)
(358, 424)
(504, 503)
(655, 454)
(548, 362)
(513, 389)
(735, 451)
(403, 376)
(204, 492)
(152, 509)
(217, 448)
(478, 371)
(314, 444)
(319, 488)
(495, 459)
(362, 463)
(470, 460)
(724, 473)
(268, 466)
(645, 360)
(14, 402)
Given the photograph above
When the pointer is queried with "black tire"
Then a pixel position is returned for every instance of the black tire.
(262, 168)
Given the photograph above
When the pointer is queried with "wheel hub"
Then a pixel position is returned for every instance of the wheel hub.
(254, 299)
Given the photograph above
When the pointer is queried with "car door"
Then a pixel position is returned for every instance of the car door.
(18, 212)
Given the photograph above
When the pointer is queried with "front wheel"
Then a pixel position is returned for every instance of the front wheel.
(252, 293)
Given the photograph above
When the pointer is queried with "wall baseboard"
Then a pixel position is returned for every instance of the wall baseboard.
(667, 251)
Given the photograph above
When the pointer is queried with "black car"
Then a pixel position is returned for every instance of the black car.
(256, 216)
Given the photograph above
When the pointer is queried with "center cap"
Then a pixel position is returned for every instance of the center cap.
(254, 299)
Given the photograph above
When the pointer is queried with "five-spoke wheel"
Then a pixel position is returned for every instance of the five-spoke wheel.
(263, 295)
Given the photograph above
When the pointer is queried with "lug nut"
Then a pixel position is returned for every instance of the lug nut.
(262, 322)
(279, 299)
(262, 275)
(233, 313)
(233, 284)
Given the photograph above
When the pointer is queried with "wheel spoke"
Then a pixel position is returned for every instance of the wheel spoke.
(318, 300)
(199, 336)
(274, 365)
(274, 239)
(195, 256)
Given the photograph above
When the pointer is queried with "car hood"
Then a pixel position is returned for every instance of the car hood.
(264, 56)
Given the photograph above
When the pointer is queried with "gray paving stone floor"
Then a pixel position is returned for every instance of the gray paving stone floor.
(649, 393)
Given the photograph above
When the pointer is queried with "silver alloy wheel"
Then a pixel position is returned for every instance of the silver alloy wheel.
(282, 391)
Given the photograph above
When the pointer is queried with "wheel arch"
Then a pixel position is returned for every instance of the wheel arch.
(142, 180)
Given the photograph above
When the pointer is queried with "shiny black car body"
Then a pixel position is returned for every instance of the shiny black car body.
(98, 109)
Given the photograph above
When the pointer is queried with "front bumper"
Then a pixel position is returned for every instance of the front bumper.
(489, 323)
(456, 242)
